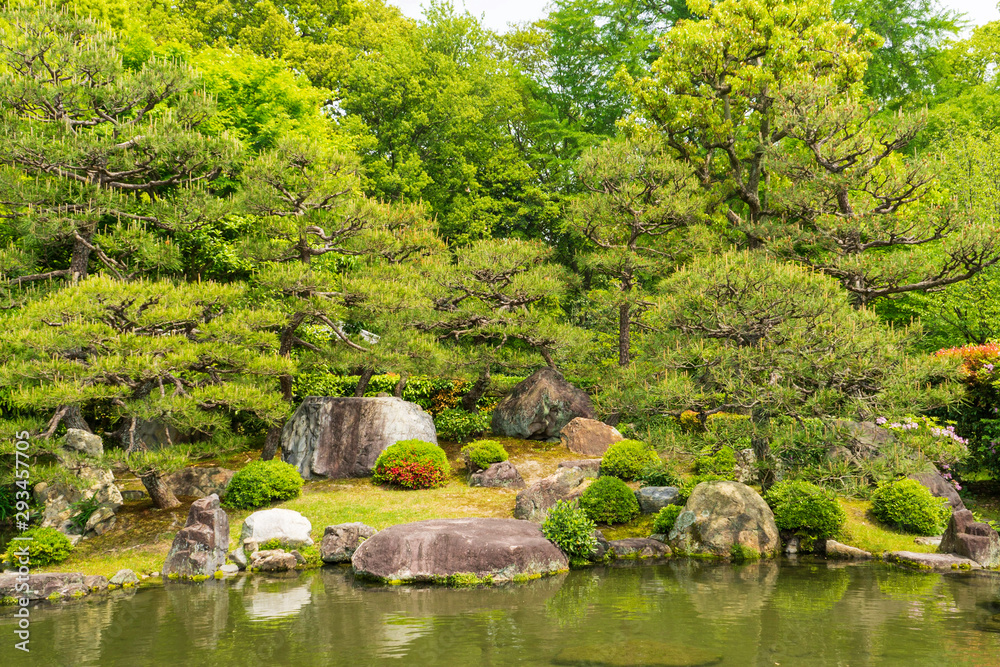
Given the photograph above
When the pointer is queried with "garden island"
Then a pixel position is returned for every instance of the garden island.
(651, 333)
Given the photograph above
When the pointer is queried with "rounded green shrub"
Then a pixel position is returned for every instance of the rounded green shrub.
(909, 506)
(47, 546)
(412, 464)
(570, 529)
(609, 500)
(627, 459)
(479, 455)
(261, 483)
(665, 519)
(805, 509)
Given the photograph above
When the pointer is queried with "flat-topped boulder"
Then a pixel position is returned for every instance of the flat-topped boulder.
(534, 502)
(199, 549)
(496, 550)
(931, 561)
(725, 519)
(971, 539)
(342, 437)
(540, 406)
(836, 550)
(638, 547)
(588, 437)
(591, 467)
(50, 584)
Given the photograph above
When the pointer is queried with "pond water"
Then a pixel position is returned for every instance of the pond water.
(678, 613)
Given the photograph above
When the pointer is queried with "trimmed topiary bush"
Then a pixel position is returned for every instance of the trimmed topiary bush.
(665, 519)
(479, 455)
(570, 529)
(805, 509)
(412, 464)
(909, 506)
(722, 463)
(261, 483)
(47, 547)
(609, 500)
(627, 459)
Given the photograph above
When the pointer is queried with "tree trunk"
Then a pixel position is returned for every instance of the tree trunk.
(80, 261)
(74, 419)
(163, 497)
(400, 386)
(271, 443)
(624, 333)
(765, 462)
(366, 377)
(470, 402)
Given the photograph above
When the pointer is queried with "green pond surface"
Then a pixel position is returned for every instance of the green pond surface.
(678, 613)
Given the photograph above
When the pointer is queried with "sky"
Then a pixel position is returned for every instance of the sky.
(498, 13)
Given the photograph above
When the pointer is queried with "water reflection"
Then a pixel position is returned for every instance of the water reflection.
(756, 614)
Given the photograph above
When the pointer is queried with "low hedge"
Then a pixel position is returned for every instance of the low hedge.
(628, 459)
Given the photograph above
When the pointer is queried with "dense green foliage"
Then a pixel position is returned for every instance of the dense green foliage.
(609, 500)
(46, 546)
(479, 455)
(909, 506)
(628, 459)
(570, 528)
(740, 223)
(261, 483)
(665, 519)
(805, 509)
(412, 464)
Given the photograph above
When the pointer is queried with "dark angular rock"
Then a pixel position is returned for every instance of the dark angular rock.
(200, 547)
(341, 541)
(588, 437)
(342, 437)
(498, 549)
(940, 488)
(971, 539)
(654, 498)
(540, 406)
(502, 474)
(639, 547)
(534, 502)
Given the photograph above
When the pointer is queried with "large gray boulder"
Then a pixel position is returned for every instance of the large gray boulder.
(496, 550)
(534, 502)
(58, 500)
(199, 482)
(342, 437)
(341, 541)
(78, 440)
(939, 487)
(966, 537)
(588, 437)
(540, 406)
(199, 549)
(722, 515)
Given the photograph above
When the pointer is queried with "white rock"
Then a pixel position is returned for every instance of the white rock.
(287, 526)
